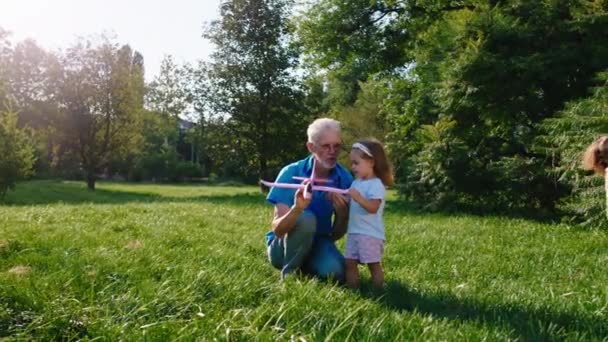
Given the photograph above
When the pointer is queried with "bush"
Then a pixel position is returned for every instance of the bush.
(565, 139)
(430, 181)
(185, 169)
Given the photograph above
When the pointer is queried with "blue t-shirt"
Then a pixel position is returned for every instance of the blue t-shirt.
(320, 206)
(359, 220)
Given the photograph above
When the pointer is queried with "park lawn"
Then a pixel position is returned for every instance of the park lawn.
(160, 262)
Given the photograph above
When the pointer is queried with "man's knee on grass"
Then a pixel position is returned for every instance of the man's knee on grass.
(302, 235)
(330, 269)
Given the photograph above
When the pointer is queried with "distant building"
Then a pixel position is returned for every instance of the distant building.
(185, 125)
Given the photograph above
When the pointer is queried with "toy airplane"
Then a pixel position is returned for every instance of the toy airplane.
(309, 187)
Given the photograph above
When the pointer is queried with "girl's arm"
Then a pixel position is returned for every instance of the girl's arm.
(370, 205)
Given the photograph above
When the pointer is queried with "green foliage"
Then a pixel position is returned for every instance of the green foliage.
(497, 79)
(16, 153)
(101, 93)
(352, 40)
(251, 81)
(565, 138)
(169, 93)
(165, 166)
(456, 89)
(431, 173)
(496, 69)
(31, 81)
(29, 75)
(227, 157)
(366, 118)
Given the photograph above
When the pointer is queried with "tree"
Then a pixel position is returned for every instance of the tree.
(494, 68)
(158, 152)
(31, 83)
(4, 65)
(251, 80)
(101, 97)
(352, 40)
(169, 93)
(367, 117)
(16, 153)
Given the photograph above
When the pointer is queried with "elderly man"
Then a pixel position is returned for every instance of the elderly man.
(303, 234)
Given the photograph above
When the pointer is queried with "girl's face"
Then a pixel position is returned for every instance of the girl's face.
(362, 168)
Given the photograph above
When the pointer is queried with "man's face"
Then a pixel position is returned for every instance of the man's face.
(328, 147)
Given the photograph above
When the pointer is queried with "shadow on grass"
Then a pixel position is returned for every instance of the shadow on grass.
(55, 192)
(527, 323)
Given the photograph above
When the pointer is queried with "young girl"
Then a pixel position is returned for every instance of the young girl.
(365, 241)
(595, 158)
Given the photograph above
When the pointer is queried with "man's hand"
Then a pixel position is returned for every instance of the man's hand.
(340, 203)
(284, 217)
(299, 201)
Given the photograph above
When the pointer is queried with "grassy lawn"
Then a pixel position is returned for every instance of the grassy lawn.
(162, 262)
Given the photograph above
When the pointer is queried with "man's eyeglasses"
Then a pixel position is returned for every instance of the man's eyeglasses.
(330, 147)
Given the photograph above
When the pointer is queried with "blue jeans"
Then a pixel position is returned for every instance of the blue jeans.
(300, 249)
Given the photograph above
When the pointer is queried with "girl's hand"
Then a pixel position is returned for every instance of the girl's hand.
(355, 194)
(370, 205)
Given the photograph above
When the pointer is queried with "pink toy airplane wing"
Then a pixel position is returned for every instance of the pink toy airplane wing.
(308, 188)
(319, 180)
(330, 189)
(301, 186)
(282, 185)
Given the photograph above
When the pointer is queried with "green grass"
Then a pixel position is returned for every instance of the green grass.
(162, 262)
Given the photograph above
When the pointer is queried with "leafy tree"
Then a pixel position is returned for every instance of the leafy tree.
(31, 82)
(5, 51)
(251, 80)
(496, 68)
(158, 154)
(352, 40)
(367, 116)
(169, 93)
(101, 96)
(16, 153)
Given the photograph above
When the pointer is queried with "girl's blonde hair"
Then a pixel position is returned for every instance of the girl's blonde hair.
(595, 157)
(382, 167)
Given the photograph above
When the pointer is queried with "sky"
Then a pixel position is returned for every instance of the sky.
(153, 27)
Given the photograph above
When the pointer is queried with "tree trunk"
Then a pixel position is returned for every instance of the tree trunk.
(90, 181)
(263, 170)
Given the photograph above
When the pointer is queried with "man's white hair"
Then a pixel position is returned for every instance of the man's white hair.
(320, 126)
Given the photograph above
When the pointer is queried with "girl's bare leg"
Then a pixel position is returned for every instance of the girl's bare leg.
(377, 275)
(352, 273)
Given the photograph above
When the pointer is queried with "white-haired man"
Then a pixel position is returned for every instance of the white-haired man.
(303, 233)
